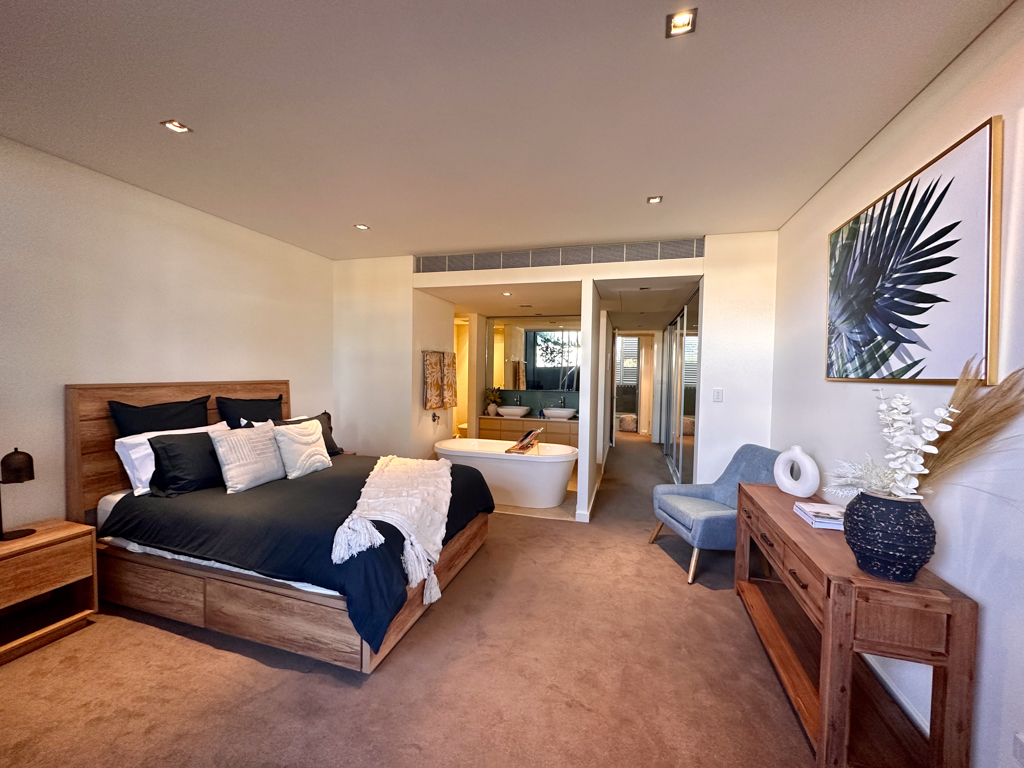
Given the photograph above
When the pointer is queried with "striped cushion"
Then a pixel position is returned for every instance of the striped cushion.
(248, 457)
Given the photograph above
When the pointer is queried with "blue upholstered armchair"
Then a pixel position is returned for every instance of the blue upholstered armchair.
(705, 515)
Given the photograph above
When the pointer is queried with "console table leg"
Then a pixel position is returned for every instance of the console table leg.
(953, 691)
(836, 677)
(742, 564)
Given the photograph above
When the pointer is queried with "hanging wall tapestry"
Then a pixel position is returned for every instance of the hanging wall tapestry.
(913, 280)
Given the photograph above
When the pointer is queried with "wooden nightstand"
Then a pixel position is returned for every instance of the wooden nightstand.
(47, 586)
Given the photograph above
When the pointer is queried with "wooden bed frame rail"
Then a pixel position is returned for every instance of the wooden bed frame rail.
(250, 607)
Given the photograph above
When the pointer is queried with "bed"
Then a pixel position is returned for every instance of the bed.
(183, 562)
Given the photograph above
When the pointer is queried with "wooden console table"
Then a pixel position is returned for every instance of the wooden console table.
(815, 612)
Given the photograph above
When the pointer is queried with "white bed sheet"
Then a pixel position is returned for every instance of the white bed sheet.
(106, 504)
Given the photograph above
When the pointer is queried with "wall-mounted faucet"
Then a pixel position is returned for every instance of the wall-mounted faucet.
(519, 399)
(561, 401)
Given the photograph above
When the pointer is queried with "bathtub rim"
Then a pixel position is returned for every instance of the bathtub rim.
(571, 453)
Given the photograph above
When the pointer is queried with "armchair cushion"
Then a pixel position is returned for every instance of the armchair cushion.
(704, 523)
(689, 511)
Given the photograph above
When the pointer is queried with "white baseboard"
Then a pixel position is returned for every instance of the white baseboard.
(911, 711)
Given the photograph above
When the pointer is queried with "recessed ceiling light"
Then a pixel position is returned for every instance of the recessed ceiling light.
(360, 226)
(174, 125)
(681, 23)
(654, 200)
(506, 293)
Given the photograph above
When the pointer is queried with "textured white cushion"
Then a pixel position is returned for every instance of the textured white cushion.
(138, 459)
(302, 448)
(248, 457)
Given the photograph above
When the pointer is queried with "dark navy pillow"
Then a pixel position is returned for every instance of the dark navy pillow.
(233, 410)
(162, 417)
(184, 463)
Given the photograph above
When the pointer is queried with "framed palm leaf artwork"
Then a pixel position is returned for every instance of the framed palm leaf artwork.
(913, 279)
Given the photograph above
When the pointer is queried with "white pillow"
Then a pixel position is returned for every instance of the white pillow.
(248, 457)
(302, 448)
(136, 454)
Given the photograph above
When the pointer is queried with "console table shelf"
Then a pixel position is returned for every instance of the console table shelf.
(816, 612)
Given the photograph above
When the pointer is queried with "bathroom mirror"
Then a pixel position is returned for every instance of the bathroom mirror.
(534, 354)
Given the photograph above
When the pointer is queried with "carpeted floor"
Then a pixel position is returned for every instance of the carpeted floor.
(560, 644)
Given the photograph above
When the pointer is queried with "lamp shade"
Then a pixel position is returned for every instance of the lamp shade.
(16, 467)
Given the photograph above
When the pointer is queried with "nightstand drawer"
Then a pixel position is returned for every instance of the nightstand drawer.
(41, 570)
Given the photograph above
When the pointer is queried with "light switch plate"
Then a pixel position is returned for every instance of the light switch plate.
(718, 395)
(1018, 747)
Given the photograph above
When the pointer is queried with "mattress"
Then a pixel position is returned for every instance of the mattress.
(284, 530)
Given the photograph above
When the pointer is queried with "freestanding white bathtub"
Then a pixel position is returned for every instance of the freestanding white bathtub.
(537, 479)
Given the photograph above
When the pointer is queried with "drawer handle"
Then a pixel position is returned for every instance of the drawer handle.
(767, 541)
(796, 578)
(745, 513)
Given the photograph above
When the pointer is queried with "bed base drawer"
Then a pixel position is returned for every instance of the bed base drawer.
(166, 593)
(318, 631)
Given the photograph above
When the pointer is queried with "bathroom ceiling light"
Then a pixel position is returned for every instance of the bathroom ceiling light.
(506, 293)
(681, 23)
(174, 125)
(654, 200)
(360, 226)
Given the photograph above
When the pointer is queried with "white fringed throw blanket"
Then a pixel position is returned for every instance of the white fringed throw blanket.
(412, 495)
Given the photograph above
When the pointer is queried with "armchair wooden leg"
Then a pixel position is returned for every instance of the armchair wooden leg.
(693, 566)
(657, 530)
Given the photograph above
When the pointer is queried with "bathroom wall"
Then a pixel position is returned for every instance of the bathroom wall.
(538, 399)
(462, 361)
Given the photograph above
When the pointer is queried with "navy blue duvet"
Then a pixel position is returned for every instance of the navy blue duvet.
(285, 530)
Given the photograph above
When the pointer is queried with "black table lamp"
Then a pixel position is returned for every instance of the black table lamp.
(15, 467)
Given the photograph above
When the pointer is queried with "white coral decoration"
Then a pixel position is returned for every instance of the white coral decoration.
(906, 446)
(851, 479)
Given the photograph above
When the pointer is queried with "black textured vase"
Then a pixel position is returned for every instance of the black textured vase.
(892, 538)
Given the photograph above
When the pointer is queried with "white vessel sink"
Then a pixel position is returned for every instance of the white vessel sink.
(516, 411)
(559, 414)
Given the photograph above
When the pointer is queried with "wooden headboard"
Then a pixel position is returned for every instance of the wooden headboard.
(91, 466)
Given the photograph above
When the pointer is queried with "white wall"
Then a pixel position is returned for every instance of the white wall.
(432, 321)
(737, 310)
(373, 316)
(980, 537)
(103, 282)
(590, 348)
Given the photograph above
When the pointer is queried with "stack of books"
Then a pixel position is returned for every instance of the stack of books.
(828, 516)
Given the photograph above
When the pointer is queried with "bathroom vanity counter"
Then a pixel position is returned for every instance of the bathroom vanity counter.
(511, 428)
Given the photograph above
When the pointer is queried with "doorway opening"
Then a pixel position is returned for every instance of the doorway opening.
(634, 383)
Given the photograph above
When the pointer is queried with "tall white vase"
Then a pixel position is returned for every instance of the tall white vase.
(809, 480)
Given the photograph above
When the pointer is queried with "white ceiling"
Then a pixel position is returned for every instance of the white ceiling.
(488, 300)
(647, 304)
(471, 125)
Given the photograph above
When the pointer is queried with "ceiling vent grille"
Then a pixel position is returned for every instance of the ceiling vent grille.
(574, 255)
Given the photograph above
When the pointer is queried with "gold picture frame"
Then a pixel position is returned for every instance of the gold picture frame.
(840, 246)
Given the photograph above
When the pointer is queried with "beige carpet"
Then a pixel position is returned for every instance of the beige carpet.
(559, 645)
